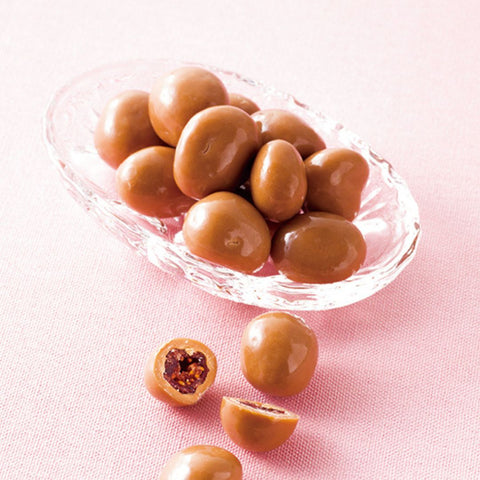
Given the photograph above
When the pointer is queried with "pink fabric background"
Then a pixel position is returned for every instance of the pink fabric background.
(396, 393)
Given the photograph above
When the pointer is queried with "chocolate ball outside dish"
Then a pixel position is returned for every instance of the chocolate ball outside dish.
(180, 372)
(256, 426)
(278, 353)
(202, 462)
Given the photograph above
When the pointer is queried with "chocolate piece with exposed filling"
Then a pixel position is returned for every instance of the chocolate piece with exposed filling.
(185, 372)
(262, 407)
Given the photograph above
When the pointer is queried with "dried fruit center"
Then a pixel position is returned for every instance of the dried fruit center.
(185, 372)
(261, 407)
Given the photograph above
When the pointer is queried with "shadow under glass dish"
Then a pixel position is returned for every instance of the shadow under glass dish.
(388, 218)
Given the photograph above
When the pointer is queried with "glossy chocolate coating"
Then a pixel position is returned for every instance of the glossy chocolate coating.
(336, 178)
(202, 462)
(145, 183)
(163, 381)
(282, 124)
(179, 95)
(124, 127)
(278, 181)
(226, 229)
(241, 101)
(215, 148)
(278, 353)
(318, 247)
(256, 426)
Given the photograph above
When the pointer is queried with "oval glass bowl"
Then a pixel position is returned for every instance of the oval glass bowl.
(388, 218)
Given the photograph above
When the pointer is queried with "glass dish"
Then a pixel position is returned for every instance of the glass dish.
(388, 219)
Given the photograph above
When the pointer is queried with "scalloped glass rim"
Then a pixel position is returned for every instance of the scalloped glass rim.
(389, 217)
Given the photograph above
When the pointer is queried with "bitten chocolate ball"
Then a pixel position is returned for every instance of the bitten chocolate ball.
(180, 372)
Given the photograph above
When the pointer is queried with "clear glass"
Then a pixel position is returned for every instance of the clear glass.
(388, 219)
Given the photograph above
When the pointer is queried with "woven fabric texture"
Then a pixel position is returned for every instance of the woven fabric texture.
(396, 392)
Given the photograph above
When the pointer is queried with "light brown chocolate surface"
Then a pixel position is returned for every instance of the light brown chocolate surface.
(255, 426)
(285, 125)
(336, 177)
(226, 229)
(180, 372)
(278, 181)
(318, 247)
(278, 353)
(145, 183)
(124, 127)
(202, 462)
(243, 102)
(179, 95)
(214, 150)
